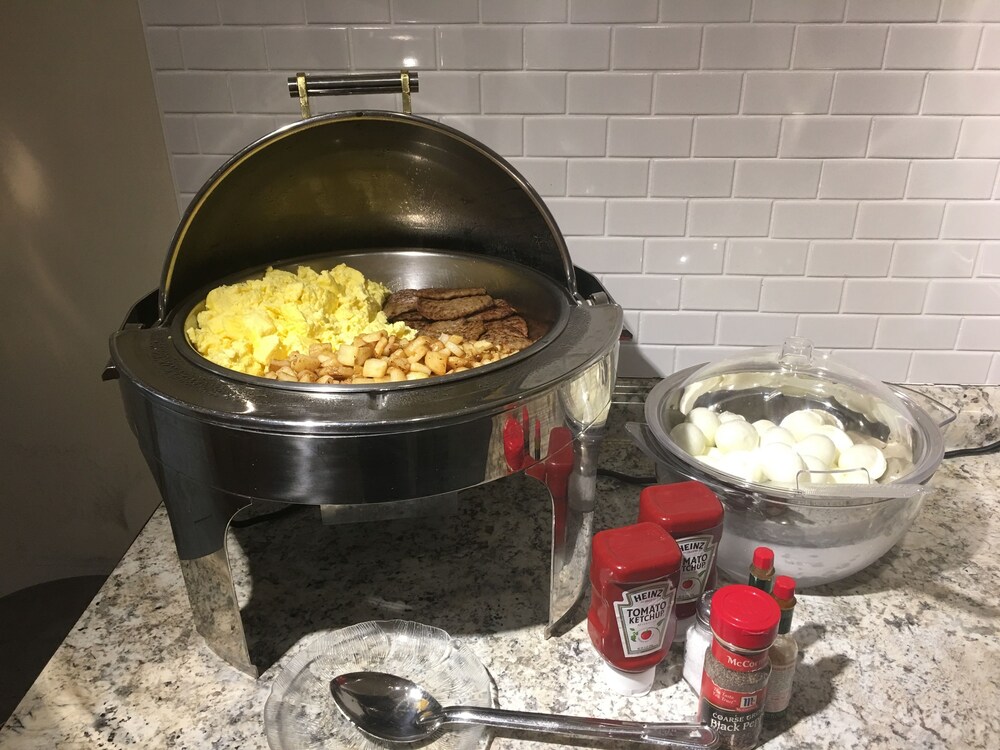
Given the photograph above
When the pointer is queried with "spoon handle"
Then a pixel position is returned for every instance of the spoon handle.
(661, 734)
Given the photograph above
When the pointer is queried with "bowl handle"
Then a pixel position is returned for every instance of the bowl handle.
(644, 438)
(940, 413)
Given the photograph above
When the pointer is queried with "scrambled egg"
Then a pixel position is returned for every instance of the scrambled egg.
(246, 325)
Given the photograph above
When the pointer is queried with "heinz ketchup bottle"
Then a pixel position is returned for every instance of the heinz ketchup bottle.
(634, 573)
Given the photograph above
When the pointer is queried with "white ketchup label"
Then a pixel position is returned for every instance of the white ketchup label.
(697, 555)
(643, 615)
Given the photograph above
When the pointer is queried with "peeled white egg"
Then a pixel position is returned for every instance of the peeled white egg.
(763, 425)
(742, 464)
(818, 446)
(689, 438)
(837, 435)
(736, 435)
(866, 457)
(729, 416)
(777, 435)
(780, 463)
(855, 476)
(816, 470)
(713, 457)
(705, 420)
(801, 423)
(826, 417)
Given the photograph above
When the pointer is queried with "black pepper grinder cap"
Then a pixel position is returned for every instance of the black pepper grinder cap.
(744, 617)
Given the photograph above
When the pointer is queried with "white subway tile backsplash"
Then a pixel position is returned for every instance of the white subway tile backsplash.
(696, 93)
(765, 257)
(480, 47)
(720, 292)
(980, 137)
(755, 329)
(838, 331)
(841, 46)
(736, 136)
(972, 297)
(917, 332)
(824, 137)
(523, 93)
(899, 220)
(523, 11)
(503, 134)
(683, 256)
(787, 92)
(863, 178)
(728, 218)
(803, 11)
(989, 48)
(704, 11)
(850, 258)
(580, 216)
(877, 92)
(163, 45)
(606, 254)
(179, 134)
(800, 295)
(623, 11)
(895, 11)
(979, 334)
(649, 136)
(307, 48)
(776, 178)
(890, 367)
(260, 93)
(443, 93)
(378, 48)
(557, 136)
(691, 178)
(914, 137)
(677, 328)
(993, 377)
(949, 367)
(972, 220)
(888, 296)
(932, 46)
(609, 93)
(655, 47)
(989, 259)
(192, 172)
(440, 11)
(193, 92)
(261, 12)
(646, 218)
(607, 177)
(738, 47)
(951, 179)
(813, 219)
(178, 12)
(228, 134)
(962, 93)
(644, 292)
(346, 11)
(566, 47)
(215, 48)
(969, 10)
(646, 361)
(546, 176)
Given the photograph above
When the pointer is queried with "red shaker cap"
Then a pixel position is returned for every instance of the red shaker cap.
(745, 617)
(682, 508)
(784, 588)
(763, 558)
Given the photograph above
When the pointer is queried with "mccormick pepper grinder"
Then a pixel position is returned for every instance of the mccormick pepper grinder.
(784, 652)
(762, 569)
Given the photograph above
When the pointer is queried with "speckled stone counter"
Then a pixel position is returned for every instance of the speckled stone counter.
(904, 654)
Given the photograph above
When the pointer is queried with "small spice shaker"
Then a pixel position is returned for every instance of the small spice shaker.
(784, 652)
(762, 569)
(699, 638)
(744, 623)
(692, 514)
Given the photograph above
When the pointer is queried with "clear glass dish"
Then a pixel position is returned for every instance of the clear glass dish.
(300, 713)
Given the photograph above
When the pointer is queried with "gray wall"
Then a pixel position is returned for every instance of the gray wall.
(87, 208)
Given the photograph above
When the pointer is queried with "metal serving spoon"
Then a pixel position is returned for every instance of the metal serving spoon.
(397, 710)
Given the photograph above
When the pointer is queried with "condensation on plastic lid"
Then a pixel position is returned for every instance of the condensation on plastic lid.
(629, 683)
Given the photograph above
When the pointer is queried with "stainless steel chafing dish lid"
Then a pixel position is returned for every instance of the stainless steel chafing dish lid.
(360, 180)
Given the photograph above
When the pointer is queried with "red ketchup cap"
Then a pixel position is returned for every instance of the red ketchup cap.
(763, 558)
(784, 588)
(745, 617)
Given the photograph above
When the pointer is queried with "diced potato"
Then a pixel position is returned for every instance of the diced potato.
(437, 361)
(364, 353)
(380, 346)
(417, 375)
(396, 375)
(375, 367)
(420, 367)
(417, 354)
(347, 354)
(372, 338)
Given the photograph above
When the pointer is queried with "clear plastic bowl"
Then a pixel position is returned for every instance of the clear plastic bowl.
(819, 532)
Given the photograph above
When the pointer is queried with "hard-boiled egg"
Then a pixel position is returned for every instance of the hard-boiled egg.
(780, 463)
(866, 457)
(729, 416)
(763, 425)
(705, 420)
(837, 435)
(742, 464)
(817, 470)
(777, 435)
(801, 423)
(736, 435)
(689, 438)
(819, 446)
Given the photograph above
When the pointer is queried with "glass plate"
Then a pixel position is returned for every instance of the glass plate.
(300, 712)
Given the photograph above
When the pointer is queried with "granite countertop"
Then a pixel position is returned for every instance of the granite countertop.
(904, 654)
